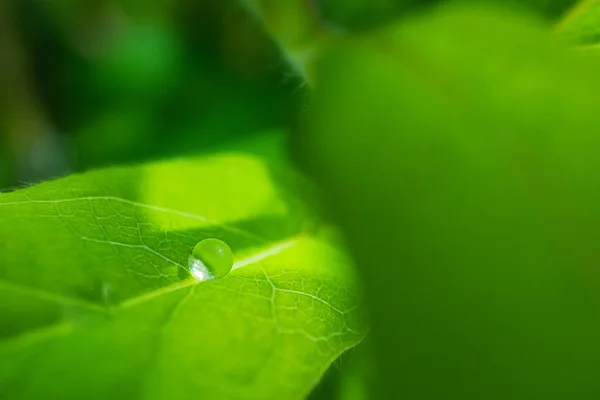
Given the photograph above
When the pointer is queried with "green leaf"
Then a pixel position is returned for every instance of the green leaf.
(361, 14)
(466, 179)
(97, 302)
(582, 24)
(296, 27)
(303, 28)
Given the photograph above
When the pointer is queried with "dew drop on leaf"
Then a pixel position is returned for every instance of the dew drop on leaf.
(210, 259)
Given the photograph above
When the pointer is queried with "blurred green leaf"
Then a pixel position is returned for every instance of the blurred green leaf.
(360, 14)
(459, 150)
(296, 27)
(582, 24)
(5, 161)
(365, 13)
(349, 377)
(145, 60)
(302, 28)
(97, 301)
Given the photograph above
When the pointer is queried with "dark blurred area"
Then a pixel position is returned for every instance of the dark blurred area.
(102, 82)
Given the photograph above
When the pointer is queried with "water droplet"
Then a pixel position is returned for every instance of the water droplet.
(210, 259)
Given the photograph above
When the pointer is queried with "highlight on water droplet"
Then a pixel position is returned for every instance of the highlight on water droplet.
(210, 259)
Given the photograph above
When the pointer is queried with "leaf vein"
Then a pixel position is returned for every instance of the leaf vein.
(136, 204)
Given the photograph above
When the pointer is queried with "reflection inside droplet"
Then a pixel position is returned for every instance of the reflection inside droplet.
(198, 269)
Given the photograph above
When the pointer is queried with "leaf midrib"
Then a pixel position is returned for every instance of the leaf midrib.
(253, 258)
(65, 327)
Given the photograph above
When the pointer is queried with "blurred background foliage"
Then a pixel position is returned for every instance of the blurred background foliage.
(367, 13)
(88, 84)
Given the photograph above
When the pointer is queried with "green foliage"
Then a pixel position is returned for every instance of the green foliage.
(97, 301)
(368, 13)
(582, 24)
(126, 81)
(359, 13)
(302, 28)
(146, 60)
(296, 27)
(460, 151)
